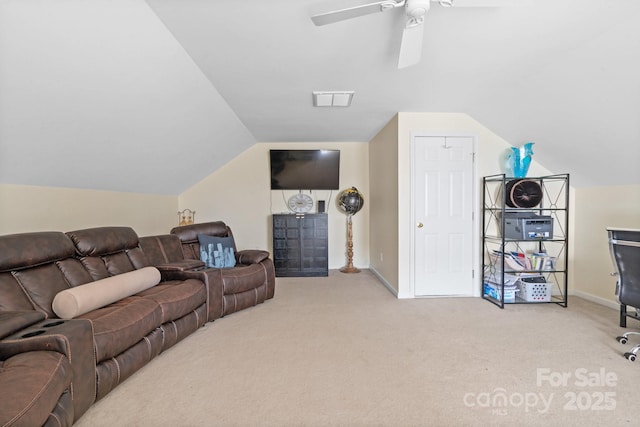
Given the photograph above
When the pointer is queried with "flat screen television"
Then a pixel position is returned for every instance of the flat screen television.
(305, 169)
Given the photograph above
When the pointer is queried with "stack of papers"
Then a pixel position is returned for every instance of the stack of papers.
(510, 280)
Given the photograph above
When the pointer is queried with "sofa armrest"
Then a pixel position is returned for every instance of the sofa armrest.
(74, 339)
(251, 256)
(187, 264)
(13, 321)
(212, 279)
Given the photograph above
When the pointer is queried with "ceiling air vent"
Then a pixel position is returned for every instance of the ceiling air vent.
(332, 99)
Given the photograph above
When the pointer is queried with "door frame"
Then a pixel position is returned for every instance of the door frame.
(475, 239)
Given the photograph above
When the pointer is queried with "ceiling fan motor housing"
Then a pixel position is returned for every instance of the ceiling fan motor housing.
(417, 8)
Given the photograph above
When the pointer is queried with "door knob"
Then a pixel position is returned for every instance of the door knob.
(420, 225)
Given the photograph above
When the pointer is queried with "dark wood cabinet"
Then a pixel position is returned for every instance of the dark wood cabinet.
(301, 245)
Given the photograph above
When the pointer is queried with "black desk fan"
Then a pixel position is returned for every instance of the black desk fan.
(523, 193)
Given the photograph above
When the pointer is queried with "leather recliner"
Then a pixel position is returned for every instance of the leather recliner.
(250, 282)
(38, 383)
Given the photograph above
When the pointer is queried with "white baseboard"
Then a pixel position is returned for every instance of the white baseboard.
(584, 295)
(598, 300)
(384, 281)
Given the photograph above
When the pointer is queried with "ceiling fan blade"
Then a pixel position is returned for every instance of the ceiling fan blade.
(411, 46)
(488, 3)
(354, 12)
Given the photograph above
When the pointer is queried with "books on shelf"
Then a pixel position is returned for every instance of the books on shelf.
(496, 291)
(542, 261)
(511, 262)
(519, 261)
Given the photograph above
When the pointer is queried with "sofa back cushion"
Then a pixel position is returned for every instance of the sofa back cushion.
(188, 235)
(29, 273)
(217, 252)
(41, 284)
(108, 251)
(13, 321)
(162, 249)
(25, 250)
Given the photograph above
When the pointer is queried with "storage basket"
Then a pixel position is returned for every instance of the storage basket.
(535, 292)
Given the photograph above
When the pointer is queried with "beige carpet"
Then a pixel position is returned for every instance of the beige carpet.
(343, 351)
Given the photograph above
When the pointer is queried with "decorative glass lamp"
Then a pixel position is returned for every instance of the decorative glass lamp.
(186, 217)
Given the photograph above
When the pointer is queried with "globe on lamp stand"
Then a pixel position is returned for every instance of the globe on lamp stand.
(350, 201)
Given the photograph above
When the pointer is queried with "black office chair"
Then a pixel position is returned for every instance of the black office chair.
(624, 245)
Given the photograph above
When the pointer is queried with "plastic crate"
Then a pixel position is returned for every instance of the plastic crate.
(535, 292)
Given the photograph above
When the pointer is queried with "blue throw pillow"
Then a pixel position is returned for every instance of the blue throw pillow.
(217, 252)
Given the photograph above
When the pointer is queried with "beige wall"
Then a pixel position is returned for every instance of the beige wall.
(239, 194)
(596, 209)
(383, 181)
(31, 208)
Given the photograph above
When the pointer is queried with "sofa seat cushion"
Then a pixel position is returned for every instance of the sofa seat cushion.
(120, 325)
(176, 297)
(243, 278)
(30, 386)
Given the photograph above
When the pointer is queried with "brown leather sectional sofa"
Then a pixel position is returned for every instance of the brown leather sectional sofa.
(53, 369)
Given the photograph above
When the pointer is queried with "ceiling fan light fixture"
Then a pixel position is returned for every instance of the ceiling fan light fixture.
(414, 22)
(332, 99)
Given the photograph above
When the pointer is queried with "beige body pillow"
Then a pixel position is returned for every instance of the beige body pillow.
(82, 299)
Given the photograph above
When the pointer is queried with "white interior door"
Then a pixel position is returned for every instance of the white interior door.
(443, 205)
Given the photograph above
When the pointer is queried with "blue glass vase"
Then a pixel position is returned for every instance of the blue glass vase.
(519, 160)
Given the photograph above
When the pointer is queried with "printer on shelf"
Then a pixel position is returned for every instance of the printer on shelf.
(527, 226)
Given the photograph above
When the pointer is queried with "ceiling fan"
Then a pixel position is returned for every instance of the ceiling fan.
(415, 10)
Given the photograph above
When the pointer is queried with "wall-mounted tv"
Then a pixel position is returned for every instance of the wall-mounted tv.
(305, 169)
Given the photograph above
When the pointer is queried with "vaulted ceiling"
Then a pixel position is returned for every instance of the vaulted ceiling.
(153, 96)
